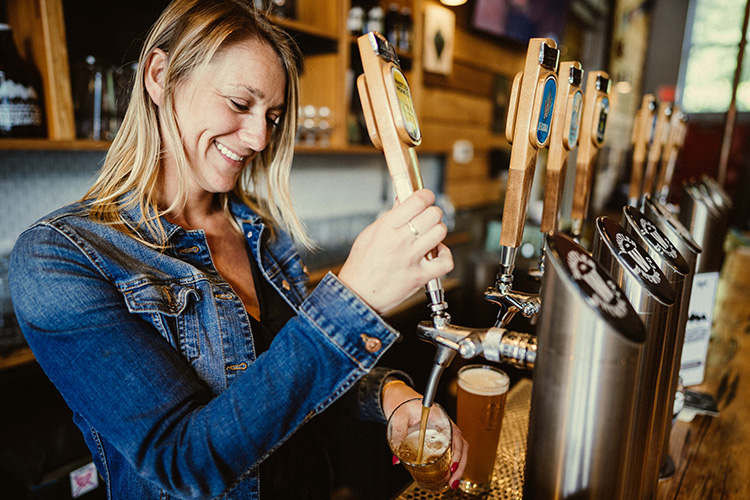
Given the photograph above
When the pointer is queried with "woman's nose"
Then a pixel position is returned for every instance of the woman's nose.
(255, 132)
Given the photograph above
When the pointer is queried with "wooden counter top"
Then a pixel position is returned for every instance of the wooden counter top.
(712, 454)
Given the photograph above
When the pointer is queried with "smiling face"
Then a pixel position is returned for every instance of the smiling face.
(226, 114)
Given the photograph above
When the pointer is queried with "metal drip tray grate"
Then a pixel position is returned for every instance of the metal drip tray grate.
(507, 483)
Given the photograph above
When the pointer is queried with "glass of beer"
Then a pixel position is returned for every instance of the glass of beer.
(431, 471)
(482, 391)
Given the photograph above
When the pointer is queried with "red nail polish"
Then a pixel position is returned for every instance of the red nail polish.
(395, 460)
(454, 467)
(454, 486)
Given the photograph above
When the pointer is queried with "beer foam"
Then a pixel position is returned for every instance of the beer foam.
(483, 381)
(435, 444)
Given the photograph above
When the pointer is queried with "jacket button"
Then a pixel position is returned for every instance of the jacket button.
(285, 285)
(372, 344)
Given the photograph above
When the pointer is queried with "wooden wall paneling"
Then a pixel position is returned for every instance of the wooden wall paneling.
(464, 78)
(506, 59)
(473, 194)
(448, 105)
(477, 168)
(438, 137)
(323, 15)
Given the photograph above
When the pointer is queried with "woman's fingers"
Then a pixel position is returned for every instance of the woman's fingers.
(405, 211)
(388, 261)
(460, 456)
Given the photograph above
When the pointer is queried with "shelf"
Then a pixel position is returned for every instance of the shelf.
(302, 28)
(54, 145)
(18, 357)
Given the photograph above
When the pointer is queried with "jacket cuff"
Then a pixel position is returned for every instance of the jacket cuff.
(348, 322)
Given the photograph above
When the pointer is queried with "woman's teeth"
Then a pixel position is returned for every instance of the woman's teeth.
(226, 152)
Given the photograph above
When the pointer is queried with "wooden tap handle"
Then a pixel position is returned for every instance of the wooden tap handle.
(642, 130)
(564, 138)
(671, 149)
(386, 99)
(593, 128)
(531, 120)
(661, 130)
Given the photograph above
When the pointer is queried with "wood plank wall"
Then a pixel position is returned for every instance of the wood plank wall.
(460, 106)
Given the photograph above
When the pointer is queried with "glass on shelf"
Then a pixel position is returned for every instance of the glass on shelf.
(100, 96)
(315, 126)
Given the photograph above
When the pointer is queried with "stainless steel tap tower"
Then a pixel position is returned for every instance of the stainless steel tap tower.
(589, 345)
(653, 298)
(680, 275)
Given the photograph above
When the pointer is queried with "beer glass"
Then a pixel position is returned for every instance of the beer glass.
(482, 391)
(433, 471)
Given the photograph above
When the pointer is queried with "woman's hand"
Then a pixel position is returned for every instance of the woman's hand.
(397, 393)
(387, 261)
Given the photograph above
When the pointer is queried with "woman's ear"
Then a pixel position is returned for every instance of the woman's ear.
(156, 66)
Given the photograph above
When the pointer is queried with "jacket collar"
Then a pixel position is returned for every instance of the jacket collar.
(132, 215)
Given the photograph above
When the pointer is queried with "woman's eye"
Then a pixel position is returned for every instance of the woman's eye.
(239, 106)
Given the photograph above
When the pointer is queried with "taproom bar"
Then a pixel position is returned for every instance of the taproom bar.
(590, 162)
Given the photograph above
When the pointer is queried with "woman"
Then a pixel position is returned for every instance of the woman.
(149, 302)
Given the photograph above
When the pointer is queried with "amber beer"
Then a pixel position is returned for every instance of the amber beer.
(432, 472)
(482, 391)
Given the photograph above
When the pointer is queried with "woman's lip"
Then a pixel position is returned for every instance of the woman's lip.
(228, 152)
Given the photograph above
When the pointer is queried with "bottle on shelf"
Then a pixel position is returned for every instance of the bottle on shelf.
(21, 107)
(375, 19)
(393, 27)
(406, 35)
(355, 21)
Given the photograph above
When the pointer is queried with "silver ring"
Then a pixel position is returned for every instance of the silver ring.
(413, 229)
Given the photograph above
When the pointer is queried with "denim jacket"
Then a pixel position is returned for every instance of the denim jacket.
(153, 351)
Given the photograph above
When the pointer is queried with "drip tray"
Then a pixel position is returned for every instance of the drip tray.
(511, 458)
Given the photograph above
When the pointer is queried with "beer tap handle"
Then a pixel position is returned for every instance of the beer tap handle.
(393, 128)
(675, 140)
(528, 128)
(591, 139)
(564, 138)
(643, 128)
(661, 130)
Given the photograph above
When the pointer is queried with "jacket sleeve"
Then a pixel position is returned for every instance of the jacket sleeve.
(113, 368)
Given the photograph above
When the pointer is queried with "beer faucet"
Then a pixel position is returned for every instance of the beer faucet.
(566, 123)
(591, 139)
(393, 128)
(528, 128)
(643, 128)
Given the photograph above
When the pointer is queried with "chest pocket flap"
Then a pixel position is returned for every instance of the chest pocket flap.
(164, 298)
(167, 305)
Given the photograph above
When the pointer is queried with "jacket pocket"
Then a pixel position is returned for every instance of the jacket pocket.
(170, 307)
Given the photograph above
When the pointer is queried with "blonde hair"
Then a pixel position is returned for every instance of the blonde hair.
(191, 32)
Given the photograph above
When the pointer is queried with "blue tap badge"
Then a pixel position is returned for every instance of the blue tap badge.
(575, 119)
(602, 125)
(545, 113)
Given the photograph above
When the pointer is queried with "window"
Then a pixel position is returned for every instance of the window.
(710, 55)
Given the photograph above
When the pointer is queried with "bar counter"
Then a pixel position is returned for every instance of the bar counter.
(711, 454)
